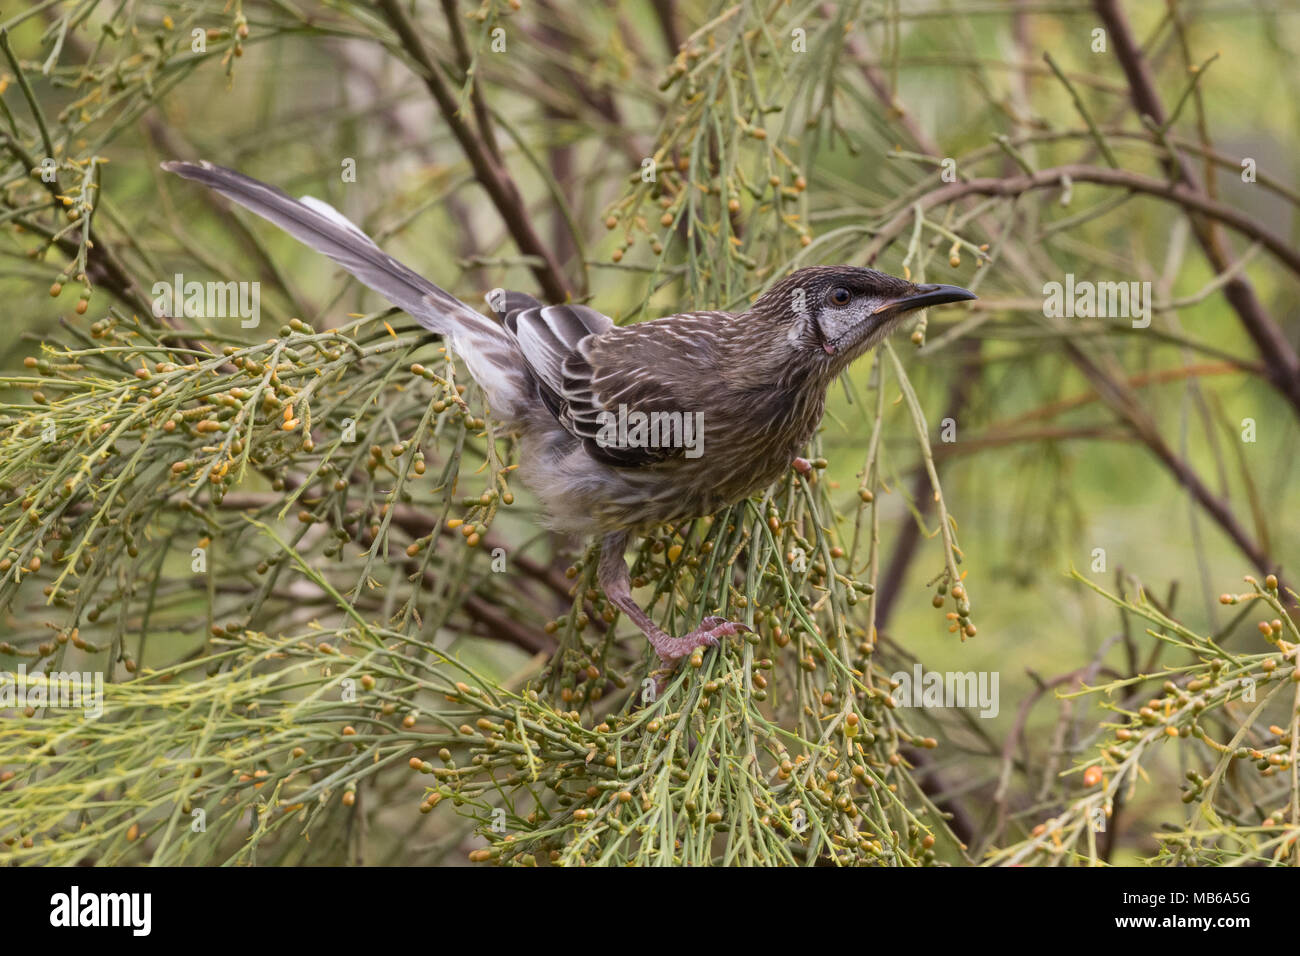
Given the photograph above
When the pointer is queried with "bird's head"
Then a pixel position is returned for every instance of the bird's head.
(830, 315)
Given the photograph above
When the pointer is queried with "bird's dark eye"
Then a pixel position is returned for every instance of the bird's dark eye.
(839, 296)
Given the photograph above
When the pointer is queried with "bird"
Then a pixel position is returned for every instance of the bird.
(737, 394)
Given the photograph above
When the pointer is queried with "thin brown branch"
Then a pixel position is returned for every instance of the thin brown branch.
(1122, 402)
(1054, 177)
(465, 60)
(492, 176)
(1283, 362)
(666, 14)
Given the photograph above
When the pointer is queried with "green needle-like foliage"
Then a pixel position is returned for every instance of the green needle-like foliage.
(315, 611)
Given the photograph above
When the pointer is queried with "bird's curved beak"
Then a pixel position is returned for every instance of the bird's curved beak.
(924, 297)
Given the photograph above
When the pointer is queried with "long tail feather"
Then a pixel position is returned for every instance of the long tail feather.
(487, 349)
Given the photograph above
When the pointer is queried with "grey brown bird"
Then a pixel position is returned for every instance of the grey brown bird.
(736, 395)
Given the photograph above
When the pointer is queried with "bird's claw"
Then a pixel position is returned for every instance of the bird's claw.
(711, 630)
(715, 623)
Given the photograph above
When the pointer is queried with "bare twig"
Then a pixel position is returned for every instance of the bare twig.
(492, 176)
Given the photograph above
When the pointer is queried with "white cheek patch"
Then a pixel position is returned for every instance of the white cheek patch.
(799, 306)
(847, 328)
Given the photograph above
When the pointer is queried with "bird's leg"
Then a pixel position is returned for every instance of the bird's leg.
(617, 585)
(802, 465)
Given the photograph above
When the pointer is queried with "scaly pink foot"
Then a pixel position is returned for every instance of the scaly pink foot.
(711, 630)
(671, 650)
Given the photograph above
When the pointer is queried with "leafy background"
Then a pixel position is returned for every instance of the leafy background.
(360, 675)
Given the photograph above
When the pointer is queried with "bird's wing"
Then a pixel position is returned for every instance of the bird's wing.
(547, 336)
(652, 372)
(504, 303)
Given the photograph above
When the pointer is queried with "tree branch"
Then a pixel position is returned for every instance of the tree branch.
(494, 177)
(1276, 351)
(1053, 177)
